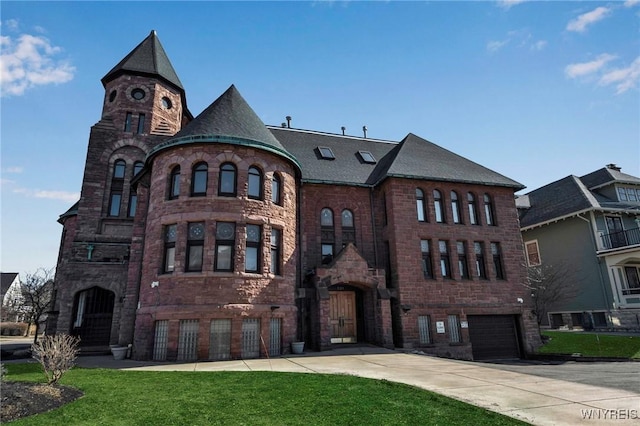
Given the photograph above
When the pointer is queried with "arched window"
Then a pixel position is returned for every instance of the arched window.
(326, 218)
(438, 207)
(348, 228)
(174, 183)
(255, 183)
(421, 205)
(488, 210)
(199, 180)
(473, 211)
(227, 181)
(119, 168)
(137, 167)
(327, 235)
(455, 207)
(276, 188)
(117, 187)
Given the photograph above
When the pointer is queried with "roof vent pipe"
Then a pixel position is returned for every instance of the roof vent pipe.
(288, 117)
(343, 129)
(364, 129)
(614, 167)
(283, 125)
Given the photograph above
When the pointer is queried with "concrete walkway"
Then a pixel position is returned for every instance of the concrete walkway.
(533, 399)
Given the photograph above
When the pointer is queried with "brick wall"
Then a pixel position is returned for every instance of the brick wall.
(208, 294)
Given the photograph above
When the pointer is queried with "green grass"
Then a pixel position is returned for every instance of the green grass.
(591, 344)
(114, 397)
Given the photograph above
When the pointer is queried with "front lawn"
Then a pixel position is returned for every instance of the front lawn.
(114, 397)
(591, 344)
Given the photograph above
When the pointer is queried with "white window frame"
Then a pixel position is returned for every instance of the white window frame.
(527, 244)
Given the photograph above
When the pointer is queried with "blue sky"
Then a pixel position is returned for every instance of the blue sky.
(534, 90)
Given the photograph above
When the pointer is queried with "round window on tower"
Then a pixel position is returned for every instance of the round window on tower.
(138, 94)
(112, 95)
(166, 103)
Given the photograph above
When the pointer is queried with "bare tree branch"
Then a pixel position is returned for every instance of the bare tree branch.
(550, 284)
(37, 291)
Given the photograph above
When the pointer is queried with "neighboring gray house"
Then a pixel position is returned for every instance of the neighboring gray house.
(589, 227)
(12, 298)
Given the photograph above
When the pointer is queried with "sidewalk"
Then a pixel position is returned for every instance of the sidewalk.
(533, 399)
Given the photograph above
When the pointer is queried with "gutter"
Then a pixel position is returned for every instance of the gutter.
(578, 213)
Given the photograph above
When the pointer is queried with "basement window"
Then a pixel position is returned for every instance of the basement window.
(367, 157)
(326, 153)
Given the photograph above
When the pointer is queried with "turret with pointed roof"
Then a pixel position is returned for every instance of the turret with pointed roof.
(146, 59)
(229, 119)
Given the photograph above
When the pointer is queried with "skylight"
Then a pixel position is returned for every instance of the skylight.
(367, 157)
(326, 153)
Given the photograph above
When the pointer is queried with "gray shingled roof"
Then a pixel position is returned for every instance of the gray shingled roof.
(413, 158)
(229, 119)
(347, 168)
(421, 159)
(147, 58)
(72, 211)
(572, 195)
(606, 176)
(557, 199)
(6, 279)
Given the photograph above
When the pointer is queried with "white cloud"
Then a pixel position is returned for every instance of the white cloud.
(11, 24)
(538, 45)
(28, 61)
(14, 169)
(624, 78)
(521, 38)
(631, 3)
(70, 197)
(580, 23)
(494, 46)
(586, 68)
(508, 4)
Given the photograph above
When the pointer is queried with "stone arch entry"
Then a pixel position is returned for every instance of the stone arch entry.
(345, 314)
(92, 316)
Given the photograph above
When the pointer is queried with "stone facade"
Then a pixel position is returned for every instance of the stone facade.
(329, 263)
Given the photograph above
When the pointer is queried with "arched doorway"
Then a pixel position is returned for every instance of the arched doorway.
(92, 316)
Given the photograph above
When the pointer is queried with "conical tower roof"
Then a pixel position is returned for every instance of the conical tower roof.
(229, 119)
(149, 59)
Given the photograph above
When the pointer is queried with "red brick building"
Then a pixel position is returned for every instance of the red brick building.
(217, 237)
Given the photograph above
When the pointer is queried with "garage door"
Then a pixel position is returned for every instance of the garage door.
(493, 336)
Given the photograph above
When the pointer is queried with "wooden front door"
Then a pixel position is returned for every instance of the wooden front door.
(343, 316)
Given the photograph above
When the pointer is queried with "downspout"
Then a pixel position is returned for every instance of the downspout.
(300, 333)
(373, 228)
(592, 222)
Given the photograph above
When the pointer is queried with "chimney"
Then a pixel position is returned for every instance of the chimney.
(612, 166)
(288, 117)
(364, 129)
(343, 129)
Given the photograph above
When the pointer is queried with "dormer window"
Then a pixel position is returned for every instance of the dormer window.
(628, 194)
(367, 157)
(326, 153)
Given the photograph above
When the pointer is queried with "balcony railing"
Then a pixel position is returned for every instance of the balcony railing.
(619, 239)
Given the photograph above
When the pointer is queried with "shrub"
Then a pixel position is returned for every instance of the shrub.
(13, 328)
(57, 355)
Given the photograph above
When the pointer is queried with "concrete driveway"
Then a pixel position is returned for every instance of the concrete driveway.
(511, 389)
(616, 375)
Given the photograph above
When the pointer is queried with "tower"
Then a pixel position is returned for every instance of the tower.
(144, 103)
